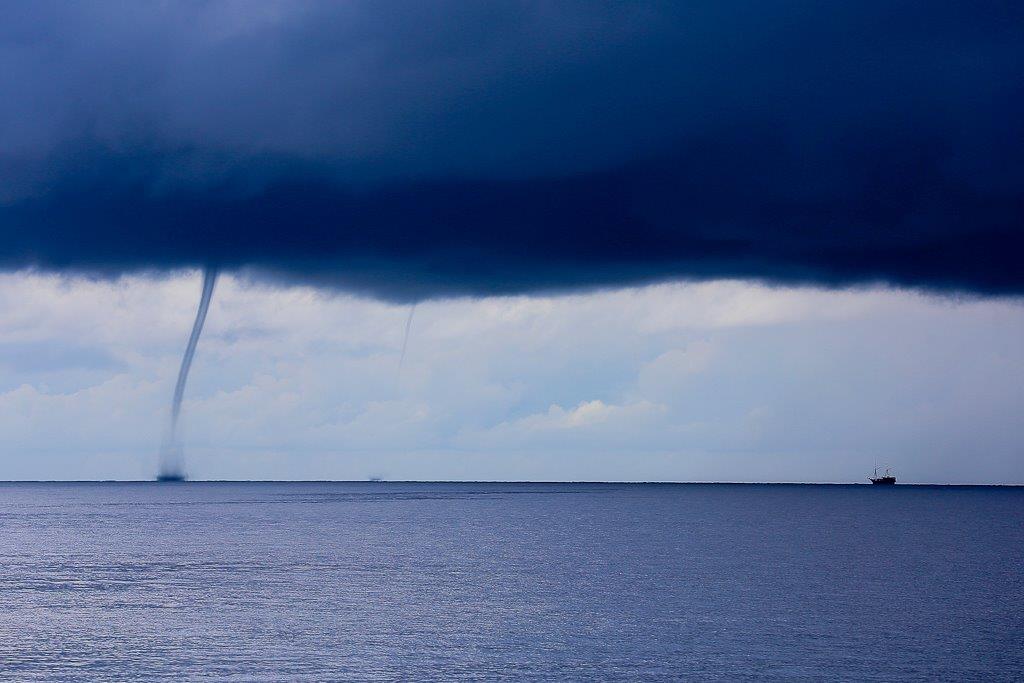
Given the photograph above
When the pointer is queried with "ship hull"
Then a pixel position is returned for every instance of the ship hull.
(884, 481)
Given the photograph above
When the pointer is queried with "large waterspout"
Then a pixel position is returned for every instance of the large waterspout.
(172, 458)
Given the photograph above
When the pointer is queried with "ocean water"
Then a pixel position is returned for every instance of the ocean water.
(382, 581)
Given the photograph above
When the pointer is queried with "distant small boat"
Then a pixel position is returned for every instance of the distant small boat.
(170, 476)
(884, 480)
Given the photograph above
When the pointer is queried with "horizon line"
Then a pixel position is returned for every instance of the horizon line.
(496, 481)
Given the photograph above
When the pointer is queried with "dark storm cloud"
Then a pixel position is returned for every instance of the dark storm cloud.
(412, 149)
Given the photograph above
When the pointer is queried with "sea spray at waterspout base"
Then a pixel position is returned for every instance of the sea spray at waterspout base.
(172, 459)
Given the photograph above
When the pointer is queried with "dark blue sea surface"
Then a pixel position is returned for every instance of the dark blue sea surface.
(367, 581)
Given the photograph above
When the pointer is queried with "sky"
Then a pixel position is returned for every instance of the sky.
(696, 240)
(721, 380)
